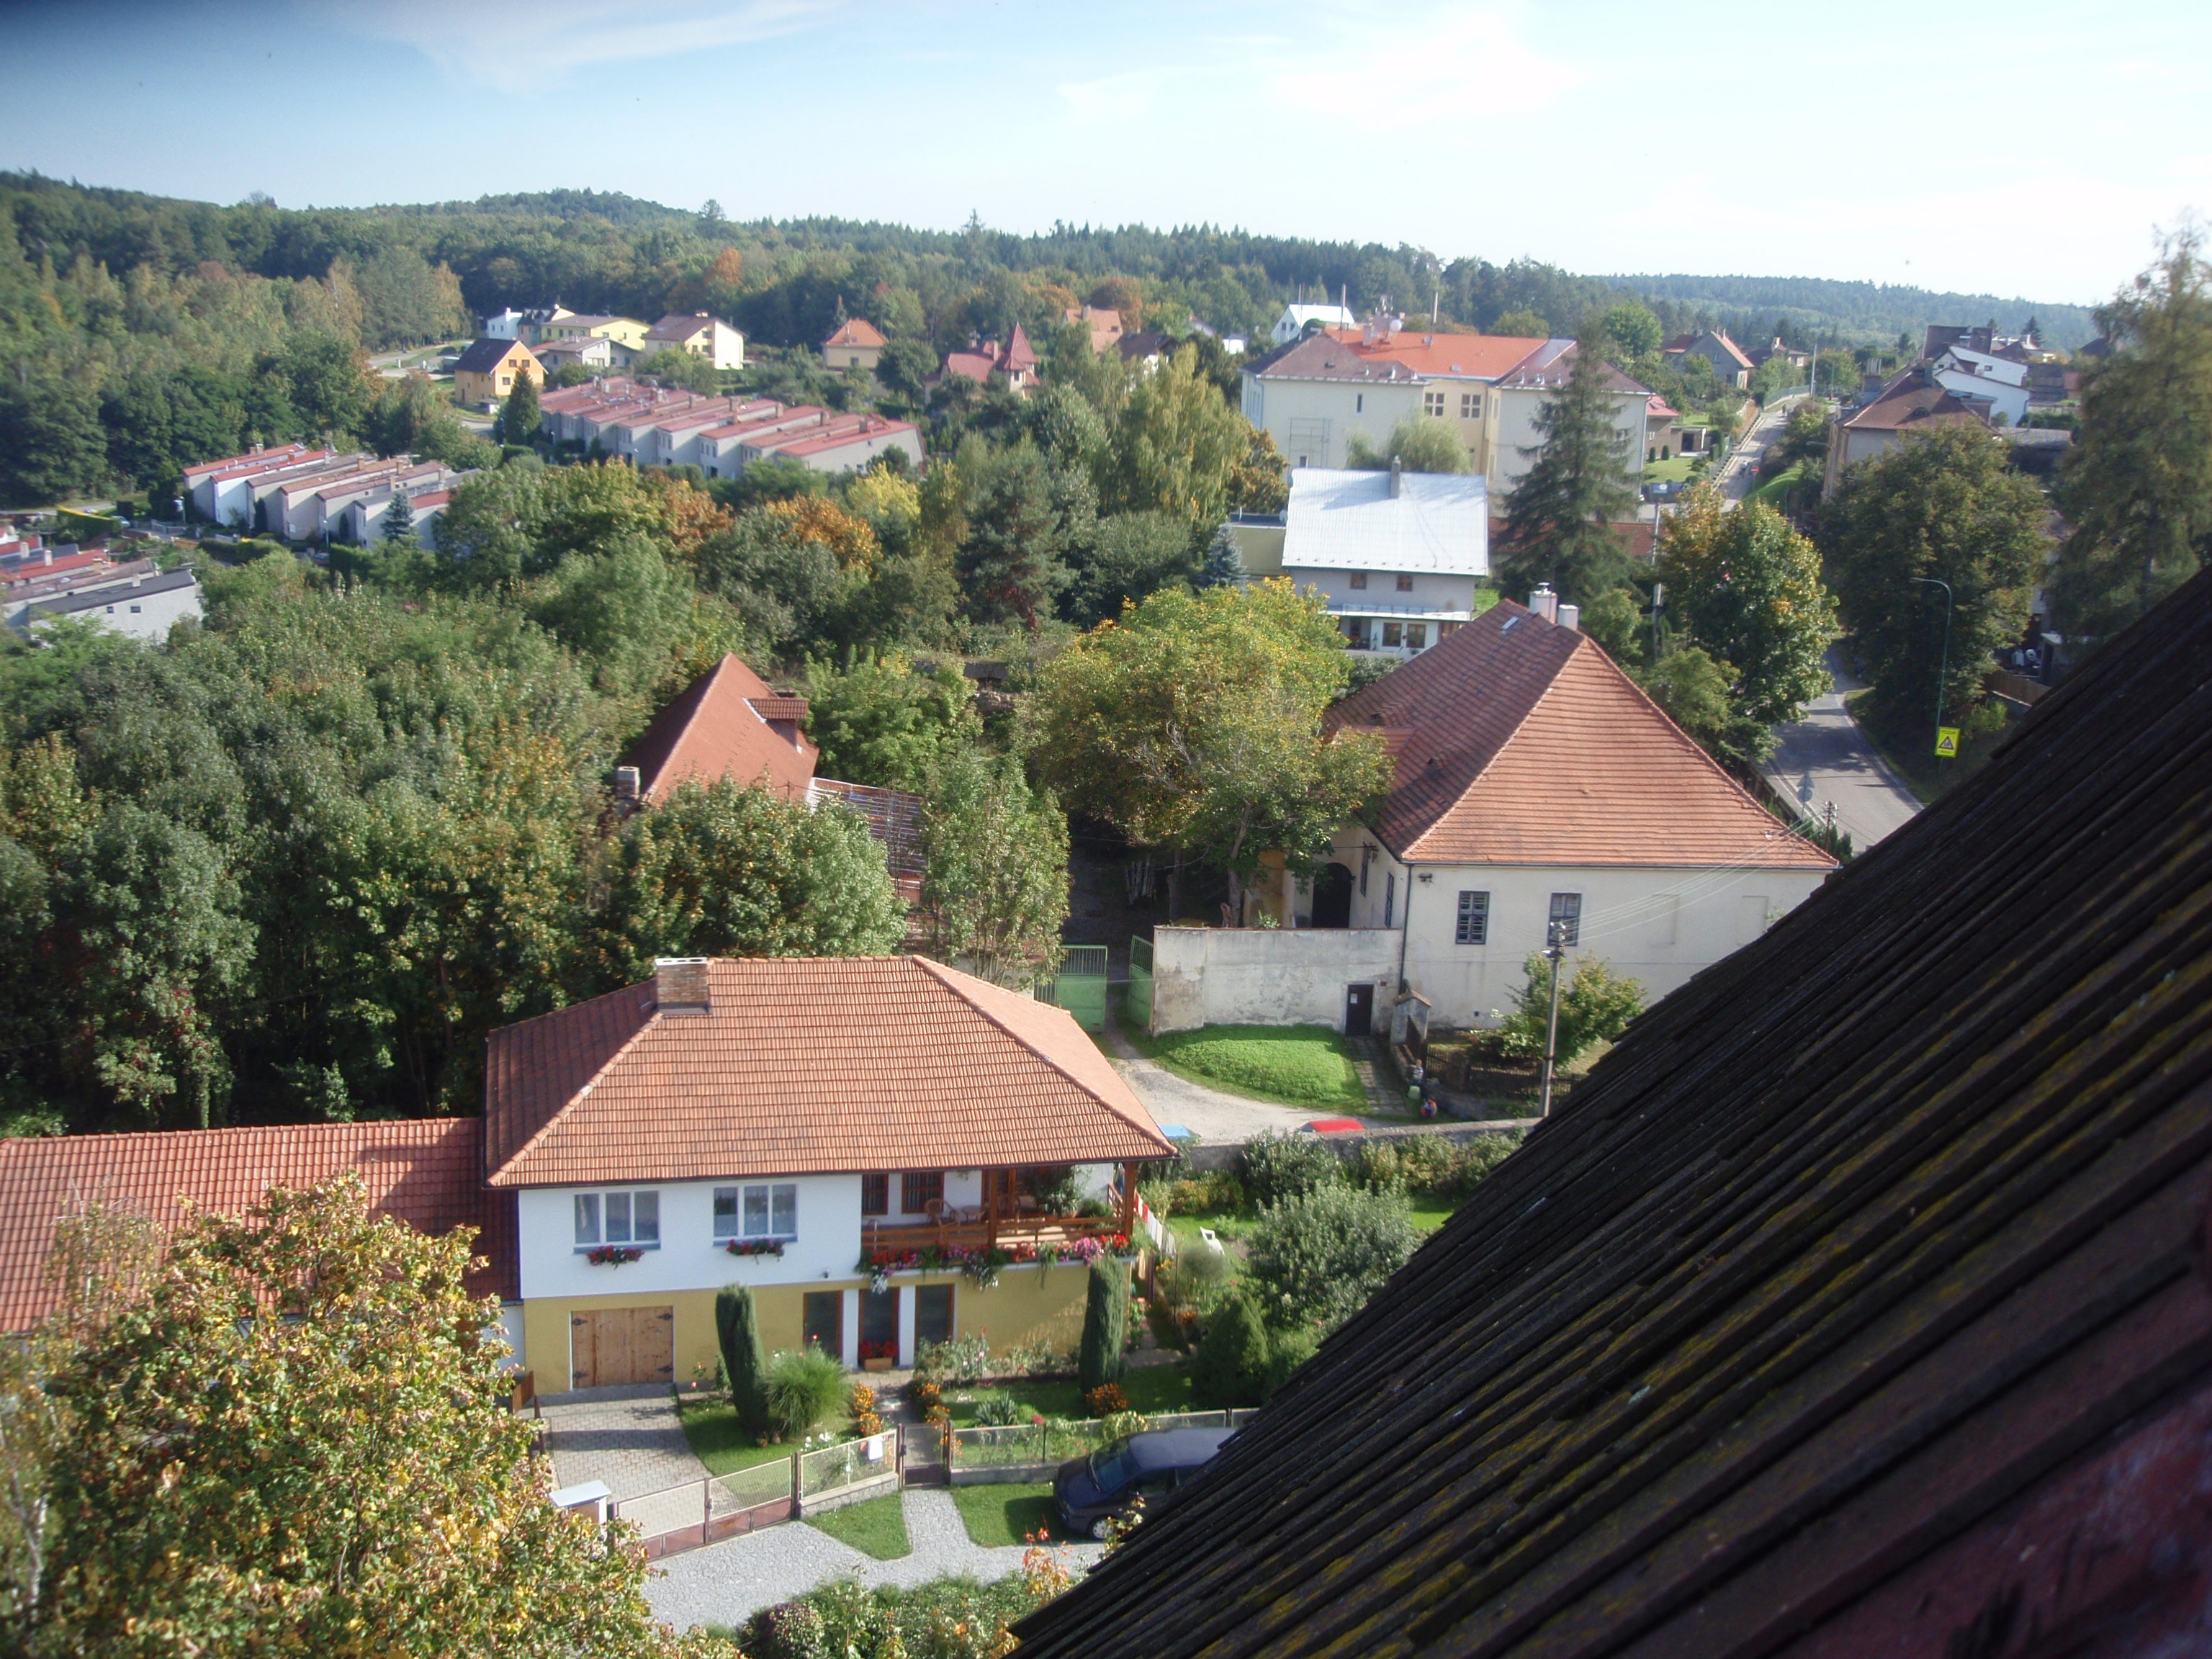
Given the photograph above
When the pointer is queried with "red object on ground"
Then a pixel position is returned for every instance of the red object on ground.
(1335, 1125)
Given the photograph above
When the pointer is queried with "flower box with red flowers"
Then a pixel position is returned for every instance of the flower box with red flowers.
(613, 1255)
(755, 1247)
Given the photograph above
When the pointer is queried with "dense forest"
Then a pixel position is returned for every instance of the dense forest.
(1855, 313)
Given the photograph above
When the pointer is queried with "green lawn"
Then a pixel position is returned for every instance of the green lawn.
(712, 1429)
(1010, 1514)
(876, 1527)
(1427, 1220)
(1770, 493)
(1151, 1389)
(1290, 1064)
(1484, 598)
(1675, 470)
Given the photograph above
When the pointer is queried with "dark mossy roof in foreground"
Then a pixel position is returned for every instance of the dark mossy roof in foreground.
(1865, 1233)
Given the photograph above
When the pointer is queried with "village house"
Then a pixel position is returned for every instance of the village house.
(144, 607)
(857, 343)
(1295, 318)
(1535, 783)
(864, 1142)
(584, 350)
(1731, 363)
(1998, 386)
(1103, 322)
(1017, 361)
(1397, 555)
(1911, 402)
(625, 331)
(701, 335)
(486, 373)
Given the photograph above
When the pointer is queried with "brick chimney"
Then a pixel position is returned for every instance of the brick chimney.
(679, 985)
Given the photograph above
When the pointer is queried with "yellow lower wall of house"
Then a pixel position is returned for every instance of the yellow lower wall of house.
(1027, 1305)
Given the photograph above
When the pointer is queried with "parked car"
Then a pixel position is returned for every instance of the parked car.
(1105, 1486)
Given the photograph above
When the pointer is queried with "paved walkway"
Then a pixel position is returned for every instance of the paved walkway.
(631, 1439)
(1213, 1116)
(727, 1584)
(1825, 759)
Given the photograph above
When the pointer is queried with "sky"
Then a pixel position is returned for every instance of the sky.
(2024, 149)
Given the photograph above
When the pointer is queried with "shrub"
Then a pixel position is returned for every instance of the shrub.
(1430, 1167)
(1276, 1166)
(1231, 1368)
(926, 1395)
(999, 1410)
(1287, 1352)
(1105, 1400)
(1105, 1324)
(1316, 1259)
(1212, 1192)
(744, 1361)
(1596, 1005)
(1059, 1190)
(1193, 1278)
(960, 1359)
(803, 1389)
(867, 1419)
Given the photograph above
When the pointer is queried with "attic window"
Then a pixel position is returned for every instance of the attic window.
(1510, 623)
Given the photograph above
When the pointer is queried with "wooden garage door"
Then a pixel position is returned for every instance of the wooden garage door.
(613, 1346)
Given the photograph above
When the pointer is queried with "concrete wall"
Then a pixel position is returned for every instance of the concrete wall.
(1266, 976)
(1312, 422)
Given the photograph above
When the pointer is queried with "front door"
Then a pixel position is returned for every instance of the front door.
(823, 1328)
(611, 1346)
(1359, 1010)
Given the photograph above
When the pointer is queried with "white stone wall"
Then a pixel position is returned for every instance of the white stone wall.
(1282, 407)
(1267, 976)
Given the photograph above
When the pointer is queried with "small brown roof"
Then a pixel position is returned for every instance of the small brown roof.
(1520, 742)
(428, 1172)
(1908, 402)
(717, 730)
(804, 1066)
(488, 354)
(856, 331)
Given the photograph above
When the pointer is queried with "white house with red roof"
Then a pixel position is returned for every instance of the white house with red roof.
(1536, 783)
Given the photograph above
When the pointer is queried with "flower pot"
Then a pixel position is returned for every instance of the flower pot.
(882, 1365)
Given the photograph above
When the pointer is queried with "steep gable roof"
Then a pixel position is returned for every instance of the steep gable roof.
(1855, 1304)
(729, 723)
(1520, 742)
(805, 1065)
(488, 354)
(428, 1172)
(857, 331)
(1909, 402)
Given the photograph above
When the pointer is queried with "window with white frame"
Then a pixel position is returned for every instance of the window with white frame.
(620, 1217)
(767, 1209)
(1567, 911)
(1473, 927)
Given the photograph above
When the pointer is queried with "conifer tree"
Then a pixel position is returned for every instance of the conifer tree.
(1225, 565)
(1559, 523)
(1105, 1325)
(520, 421)
(744, 1360)
(397, 524)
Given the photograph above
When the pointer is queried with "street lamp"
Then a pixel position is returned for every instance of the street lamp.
(1943, 674)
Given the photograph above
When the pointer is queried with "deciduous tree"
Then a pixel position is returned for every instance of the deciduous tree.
(995, 893)
(1746, 587)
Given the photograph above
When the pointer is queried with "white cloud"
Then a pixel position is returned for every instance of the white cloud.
(519, 45)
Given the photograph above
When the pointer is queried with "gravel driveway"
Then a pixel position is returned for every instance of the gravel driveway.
(727, 1584)
(1213, 1116)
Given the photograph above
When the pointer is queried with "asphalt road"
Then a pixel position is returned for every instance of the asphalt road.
(1740, 476)
(1825, 758)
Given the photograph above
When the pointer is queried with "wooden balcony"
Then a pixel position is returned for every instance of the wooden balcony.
(1032, 1230)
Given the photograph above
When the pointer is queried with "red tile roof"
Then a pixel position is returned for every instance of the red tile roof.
(1476, 357)
(428, 1172)
(856, 331)
(32, 571)
(1520, 742)
(805, 1065)
(199, 469)
(1909, 404)
(715, 731)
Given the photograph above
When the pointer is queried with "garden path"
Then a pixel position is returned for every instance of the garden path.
(631, 1439)
(727, 1584)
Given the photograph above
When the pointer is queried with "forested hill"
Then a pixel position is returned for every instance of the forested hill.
(1861, 311)
(784, 282)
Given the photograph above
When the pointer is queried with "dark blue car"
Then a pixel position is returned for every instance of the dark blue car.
(1105, 1486)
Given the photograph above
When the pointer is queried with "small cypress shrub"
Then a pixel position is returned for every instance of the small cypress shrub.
(1105, 1325)
(1231, 1368)
(744, 1362)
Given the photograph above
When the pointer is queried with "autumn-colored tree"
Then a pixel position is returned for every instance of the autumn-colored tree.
(817, 518)
(298, 1442)
(1194, 724)
(1121, 294)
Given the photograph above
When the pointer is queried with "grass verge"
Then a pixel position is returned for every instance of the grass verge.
(1303, 1066)
(876, 1527)
(997, 1515)
(712, 1428)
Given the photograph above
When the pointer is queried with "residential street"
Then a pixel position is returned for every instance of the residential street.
(1740, 476)
(1825, 758)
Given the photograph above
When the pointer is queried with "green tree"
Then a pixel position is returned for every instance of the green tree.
(1194, 724)
(1011, 562)
(1174, 446)
(1229, 1369)
(673, 365)
(51, 442)
(327, 383)
(520, 421)
(1746, 586)
(1225, 563)
(1105, 1324)
(1419, 443)
(1631, 331)
(2136, 488)
(397, 523)
(1558, 521)
(1697, 693)
(1596, 1005)
(232, 1479)
(731, 870)
(906, 366)
(1941, 506)
(885, 722)
(995, 894)
(1523, 323)
(1316, 1259)
(1131, 555)
(1804, 438)
(744, 1361)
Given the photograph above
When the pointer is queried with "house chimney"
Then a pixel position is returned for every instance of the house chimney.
(1571, 617)
(1397, 478)
(1545, 603)
(679, 985)
(627, 783)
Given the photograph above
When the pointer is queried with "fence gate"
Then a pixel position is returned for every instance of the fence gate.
(1139, 1004)
(1081, 987)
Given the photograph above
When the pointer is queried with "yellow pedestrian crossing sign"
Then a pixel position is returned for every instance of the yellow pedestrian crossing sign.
(1947, 742)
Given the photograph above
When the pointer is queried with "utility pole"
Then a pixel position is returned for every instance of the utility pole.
(1553, 951)
(1658, 606)
(1943, 674)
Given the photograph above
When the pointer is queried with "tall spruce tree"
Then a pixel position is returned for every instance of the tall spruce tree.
(520, 421)
(1559, 523)
(397, 524)
(2137, 489)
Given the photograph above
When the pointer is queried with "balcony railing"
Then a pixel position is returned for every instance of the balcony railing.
(975, 1232)
(1362, 607)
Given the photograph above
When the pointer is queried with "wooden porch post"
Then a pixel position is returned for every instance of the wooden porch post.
(1129, 1201)
(991, 1180)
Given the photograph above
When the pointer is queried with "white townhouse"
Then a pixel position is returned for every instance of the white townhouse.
(1397, 554)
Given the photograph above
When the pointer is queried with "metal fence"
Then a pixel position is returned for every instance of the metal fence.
(1056, 1440)
(1081, 987)
(699, 1512)
(1139, 1003)
(830, 1469)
